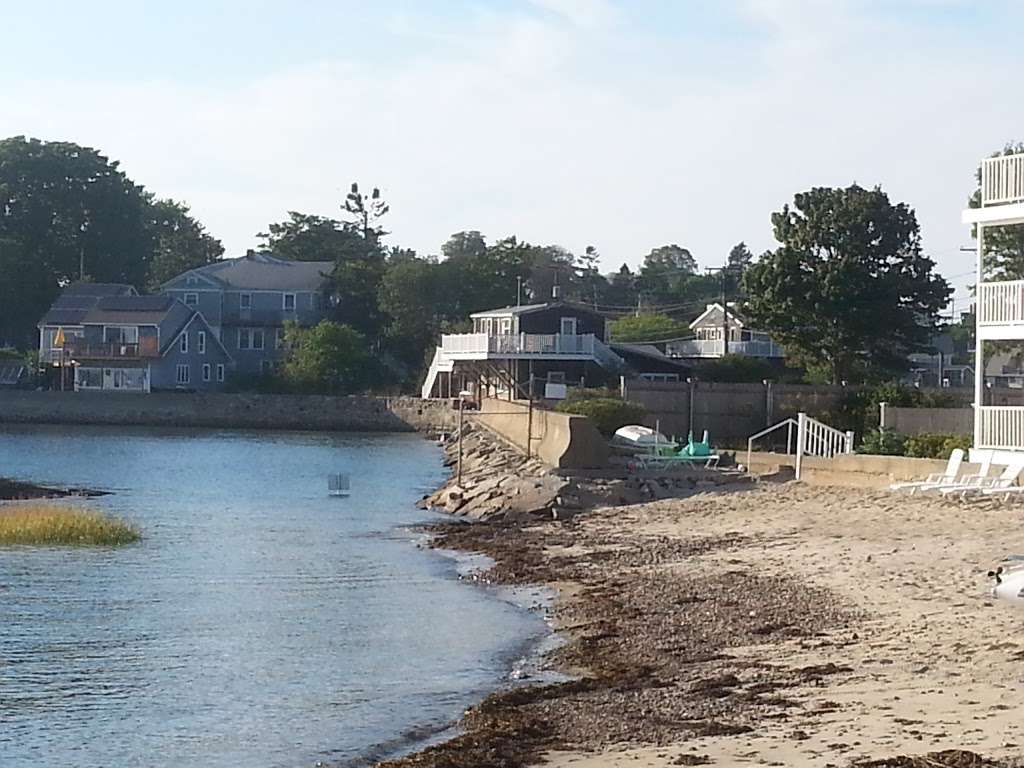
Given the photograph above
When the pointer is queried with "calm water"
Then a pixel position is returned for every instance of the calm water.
(259, 623)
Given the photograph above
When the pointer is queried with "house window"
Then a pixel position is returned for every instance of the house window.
(206, 371)
(183, 343)
(279, 338)
(191, 299)
(568, 326)
(220, 372)
(257, 338)
(245, 301)
(122, 334)
(244, 338)
(556, 377)
(266, 367)
(289, 302)
(201, 343)
(183, 375)
(191, 280)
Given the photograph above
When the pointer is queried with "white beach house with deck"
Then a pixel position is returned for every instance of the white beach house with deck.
(1000, 303)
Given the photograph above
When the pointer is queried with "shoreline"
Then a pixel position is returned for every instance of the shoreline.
(714, 629)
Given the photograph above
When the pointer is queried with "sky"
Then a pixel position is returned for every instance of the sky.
(623, 124)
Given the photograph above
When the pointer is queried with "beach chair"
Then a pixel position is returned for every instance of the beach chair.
(1000, 484)
(979, 478)
(936, 479)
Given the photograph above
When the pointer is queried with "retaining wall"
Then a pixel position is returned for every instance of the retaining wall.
(854, 470)
(232, 411)
(561, 440)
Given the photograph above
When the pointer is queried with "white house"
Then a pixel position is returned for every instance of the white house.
(1000, 303)
(709, 337)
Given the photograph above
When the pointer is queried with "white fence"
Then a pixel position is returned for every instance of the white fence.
(813, 438)
(1002, 180)
(716, 348)
(1001, 303)
(1001, 427)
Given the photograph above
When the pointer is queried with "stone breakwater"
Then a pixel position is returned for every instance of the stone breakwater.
(500, 483)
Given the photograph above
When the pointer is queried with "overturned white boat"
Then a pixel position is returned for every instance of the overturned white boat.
(635, 438)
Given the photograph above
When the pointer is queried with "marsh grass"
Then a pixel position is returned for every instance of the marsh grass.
(58, 526)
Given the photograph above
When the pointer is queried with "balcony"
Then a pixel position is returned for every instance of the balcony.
(481, 346)
(80, 349)
(716, 348)
(1001, 310)
(1000, 427)
(1002, 180)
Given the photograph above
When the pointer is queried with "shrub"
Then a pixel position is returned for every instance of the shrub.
(883, 442)
(52, 525)
(935, 445)
(607, 413)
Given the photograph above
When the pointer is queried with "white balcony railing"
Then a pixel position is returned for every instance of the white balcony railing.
(1001, 427)
(716, 348)
(1002, 180)
(482, 344)
(1001, 303)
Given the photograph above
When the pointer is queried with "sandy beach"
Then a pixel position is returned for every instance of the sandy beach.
(769, 624)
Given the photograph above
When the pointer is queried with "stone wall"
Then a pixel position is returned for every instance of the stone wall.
(853, 471)
(232, 411)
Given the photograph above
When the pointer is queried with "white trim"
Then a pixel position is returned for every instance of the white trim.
(284, 302)
(733, 318)
(995, 214)
(183, 341)
(201, 342)
(206, 371)
(240, 295)
(185, 300)
(183, 368)
(220, 372)
(263, 339)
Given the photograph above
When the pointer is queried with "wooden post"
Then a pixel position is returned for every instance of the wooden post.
(801, 436)
(459, 473)
(529, 428)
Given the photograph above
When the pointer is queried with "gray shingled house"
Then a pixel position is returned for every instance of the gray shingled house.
(247, 301)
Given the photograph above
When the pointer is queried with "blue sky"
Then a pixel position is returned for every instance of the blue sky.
(625, 125)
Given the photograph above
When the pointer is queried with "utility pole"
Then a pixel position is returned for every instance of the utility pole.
(725, 315)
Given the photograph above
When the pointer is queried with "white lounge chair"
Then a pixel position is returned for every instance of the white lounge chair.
(936, 479)
(979, 478)
(1000, 484)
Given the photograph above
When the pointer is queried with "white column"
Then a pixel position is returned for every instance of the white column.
(979, 361)
(801, 439)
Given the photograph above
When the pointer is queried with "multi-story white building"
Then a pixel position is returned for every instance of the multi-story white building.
(1000, 303)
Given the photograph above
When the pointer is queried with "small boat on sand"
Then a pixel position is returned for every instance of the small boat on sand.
(635, 438)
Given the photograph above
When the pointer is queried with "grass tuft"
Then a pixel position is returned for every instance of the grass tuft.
(53, 525)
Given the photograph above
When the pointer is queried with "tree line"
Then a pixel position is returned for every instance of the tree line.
(848, 291)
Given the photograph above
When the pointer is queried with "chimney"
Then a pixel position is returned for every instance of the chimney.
(556, 291)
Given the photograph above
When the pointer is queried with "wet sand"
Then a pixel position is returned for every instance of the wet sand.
(773, 625)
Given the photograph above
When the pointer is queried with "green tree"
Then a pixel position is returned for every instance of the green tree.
(365, 213)
(181, 242)
(664, 271)
(622, 289)
(647, 327)
(1004, 245)
(66, 210)
(328, 358)
(305, 237)
(849, 287)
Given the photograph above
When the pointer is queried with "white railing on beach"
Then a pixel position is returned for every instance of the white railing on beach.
(1002, 180)
(1000, 427)
(1001, 303)
(813, 438)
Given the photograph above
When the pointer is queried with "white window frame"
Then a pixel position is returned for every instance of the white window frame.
(262, 338)
(284, 302)
(206, 371)
(245, 301)
(132, 334)
(571, 322)
(201, 342)
(244, 333)
(220, 371)
(183, 374)
(195, 299)
(183, 343)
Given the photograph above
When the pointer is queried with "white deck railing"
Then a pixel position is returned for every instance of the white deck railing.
(482, 344)
(1001, 303)
(1002, 180)
(1001, 427)
(716, 348)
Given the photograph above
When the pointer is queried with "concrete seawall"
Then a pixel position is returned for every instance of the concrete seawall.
(229, 411)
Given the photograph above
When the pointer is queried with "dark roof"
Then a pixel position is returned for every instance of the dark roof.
(141, 310)
(260, 271)
(647, 352)
(77, 299)
(525, 309)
